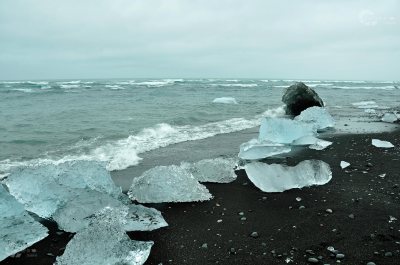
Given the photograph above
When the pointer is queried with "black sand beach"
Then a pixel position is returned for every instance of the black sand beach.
(351, 213)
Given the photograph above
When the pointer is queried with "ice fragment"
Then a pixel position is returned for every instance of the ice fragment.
(344, 164)
(318, 116)
(254, 149)
(278, 178)
(167, 184)
(382, 144)
(18, 230)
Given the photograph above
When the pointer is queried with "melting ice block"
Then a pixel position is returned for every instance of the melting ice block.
(284, 131)
(104, 242)
(18, 230)
(318, 116)
(382, 144)
(44, 188)
(77, 213)
(254, 149)
(225, 100)
(167, 184)
(219, 170)
(278, 178)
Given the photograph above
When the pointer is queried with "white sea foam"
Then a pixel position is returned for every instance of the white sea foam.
(159, 83)
(67, 86)
(115, 87)
(366, 87)
(25, 90)
(125, 152)
(235, 85)
(225, 100)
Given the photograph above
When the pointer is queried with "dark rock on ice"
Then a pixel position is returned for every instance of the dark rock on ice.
(299, 97)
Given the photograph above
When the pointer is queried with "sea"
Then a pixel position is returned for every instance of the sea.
(133, 125)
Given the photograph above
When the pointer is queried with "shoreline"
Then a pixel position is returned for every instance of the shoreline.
(284, 231)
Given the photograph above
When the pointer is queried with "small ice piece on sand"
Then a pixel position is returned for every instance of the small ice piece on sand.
(389, 117)
(278, 178)
(318, 116)
(18, 230)
(314, 142)
(218, 170)
(167, 184)
(284, 131)
(44, 188)
(253, 149)
(344, 164)
(225, 100)
(77, 213)
(104, 242)
(382, 144)
(320, 145)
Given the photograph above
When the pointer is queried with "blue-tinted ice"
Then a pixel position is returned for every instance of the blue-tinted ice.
(104, 242)
(18, 230)
(167, 184)
(278, 178)
(318, 116)
(254, 149)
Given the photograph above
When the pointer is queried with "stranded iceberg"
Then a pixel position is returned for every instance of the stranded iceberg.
(278, 178)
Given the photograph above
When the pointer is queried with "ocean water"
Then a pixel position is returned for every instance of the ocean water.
(122, 121)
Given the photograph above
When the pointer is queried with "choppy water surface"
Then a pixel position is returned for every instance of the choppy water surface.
(118, 120)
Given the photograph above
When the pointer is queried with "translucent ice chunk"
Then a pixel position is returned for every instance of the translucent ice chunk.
(382, 144)
(284, 131)
(225, 100)
(167, 184)
(344, 164)
(314, 142)
(318, 116)
(18, 230)
(253, 149)
(219, 170)
(389, 117)
(44, 188)
(104, 242)
(278, 178)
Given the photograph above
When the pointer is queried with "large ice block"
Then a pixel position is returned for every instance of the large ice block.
(389, 117)
(104, 242)
(18, 230)
(44, 188)
(284, 131)
(318, 116)
(167, 184)
(254, 149)
(218, 170)
(278, 178)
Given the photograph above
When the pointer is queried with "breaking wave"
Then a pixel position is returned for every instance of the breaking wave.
(125, 152)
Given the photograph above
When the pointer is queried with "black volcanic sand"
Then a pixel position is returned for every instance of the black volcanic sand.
(358, 224)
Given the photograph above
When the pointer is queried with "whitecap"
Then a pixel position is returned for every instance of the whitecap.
(235, 85)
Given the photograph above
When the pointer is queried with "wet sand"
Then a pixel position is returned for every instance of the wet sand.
(287, 230)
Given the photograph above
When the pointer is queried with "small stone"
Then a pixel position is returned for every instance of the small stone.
(313, 260)
(232, 251)
(241, 213)
(254, 234)
(371, 263)
(205, 246)
(329, 211)
(310, 252)
(50, 254)
(340, 256)
(388, 254)
(243, 219)
(219, 221)
(298, 199)
(302, 207)
(351, 216)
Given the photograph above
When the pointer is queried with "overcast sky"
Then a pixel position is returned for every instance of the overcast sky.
(305, 39)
